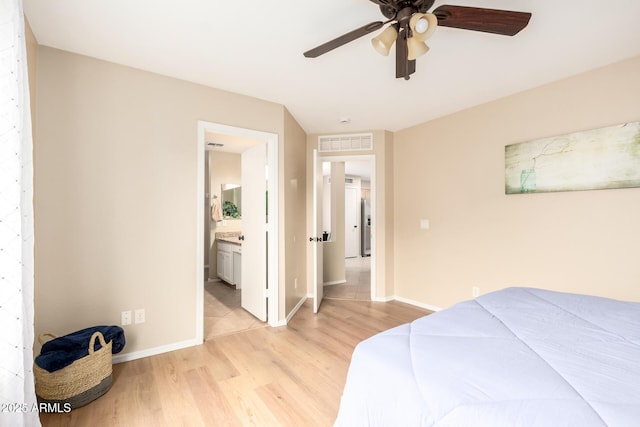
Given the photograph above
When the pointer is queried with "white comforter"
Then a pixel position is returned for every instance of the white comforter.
(516, 357)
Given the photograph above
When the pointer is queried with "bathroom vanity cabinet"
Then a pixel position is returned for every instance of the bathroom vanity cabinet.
(229, 259)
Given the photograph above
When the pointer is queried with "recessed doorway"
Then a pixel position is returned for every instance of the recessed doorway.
(349, 255)
(259, 284)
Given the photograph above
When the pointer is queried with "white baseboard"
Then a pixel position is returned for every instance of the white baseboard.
(127, 357)
(336, 282)
(279, 323)
(417, 303)
(295, 309)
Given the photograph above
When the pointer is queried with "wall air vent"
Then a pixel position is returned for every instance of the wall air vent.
(338, 143)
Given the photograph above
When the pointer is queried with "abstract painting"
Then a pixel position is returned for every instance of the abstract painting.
(595, 159)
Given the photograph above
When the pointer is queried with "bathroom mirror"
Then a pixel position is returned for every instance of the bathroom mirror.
(231, 201)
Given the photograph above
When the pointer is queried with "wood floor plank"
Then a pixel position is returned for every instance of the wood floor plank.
(292, 375)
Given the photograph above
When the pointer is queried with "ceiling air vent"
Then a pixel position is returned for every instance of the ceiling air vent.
(336, 143)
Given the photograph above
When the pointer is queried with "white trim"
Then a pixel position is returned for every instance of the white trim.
(374, 220)
(336, 282)
(273, 215)
(200, 235)
(127, 357)
(296, 308)
(417, 303)
(383, 299)
(344, 143)
(279, 323)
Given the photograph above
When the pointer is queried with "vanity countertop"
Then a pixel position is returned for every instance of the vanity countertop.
(229, 237)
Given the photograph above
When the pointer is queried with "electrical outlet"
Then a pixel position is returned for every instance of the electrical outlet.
(125, 318)
(139, 315)
(295, 283)
(475, 291)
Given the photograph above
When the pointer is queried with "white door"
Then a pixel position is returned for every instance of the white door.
(254, 246)
(315, 240)
(351, 229)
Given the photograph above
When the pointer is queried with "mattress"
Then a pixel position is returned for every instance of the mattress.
(515, 357)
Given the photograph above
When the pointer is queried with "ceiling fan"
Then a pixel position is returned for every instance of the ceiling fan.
(412, 24)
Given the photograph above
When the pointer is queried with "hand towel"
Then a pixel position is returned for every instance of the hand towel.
(216, 213)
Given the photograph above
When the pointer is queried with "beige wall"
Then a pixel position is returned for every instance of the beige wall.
(451, 171)
(115, 194)
(295, 184)
(384, 229)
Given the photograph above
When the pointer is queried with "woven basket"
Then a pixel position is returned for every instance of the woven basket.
(82, 382)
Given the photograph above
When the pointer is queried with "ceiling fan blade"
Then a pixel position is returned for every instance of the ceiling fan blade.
(505, 22)
(404, 66)
(343, 39)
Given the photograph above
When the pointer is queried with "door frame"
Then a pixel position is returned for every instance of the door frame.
(272, 225)
(371, 158)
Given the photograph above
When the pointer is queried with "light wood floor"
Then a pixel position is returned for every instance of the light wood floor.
(287, 376)
(224, 315)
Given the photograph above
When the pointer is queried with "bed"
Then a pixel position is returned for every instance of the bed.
(515, 357)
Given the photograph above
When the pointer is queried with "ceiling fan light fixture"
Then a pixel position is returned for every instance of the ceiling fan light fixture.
(423, 25)
(382, 42)
(416, 48)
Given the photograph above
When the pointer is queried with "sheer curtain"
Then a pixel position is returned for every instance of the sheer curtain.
(17, 395)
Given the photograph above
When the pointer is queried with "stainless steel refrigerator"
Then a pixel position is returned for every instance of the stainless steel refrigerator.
(365, 229)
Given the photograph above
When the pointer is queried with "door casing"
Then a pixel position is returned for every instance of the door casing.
(272, 226)
(371, 158)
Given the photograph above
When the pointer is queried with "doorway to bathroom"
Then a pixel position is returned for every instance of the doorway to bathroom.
(238, 229)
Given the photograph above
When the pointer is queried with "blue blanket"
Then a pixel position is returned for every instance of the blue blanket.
(63, 351)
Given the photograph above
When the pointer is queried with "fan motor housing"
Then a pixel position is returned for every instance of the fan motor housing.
(390, 8)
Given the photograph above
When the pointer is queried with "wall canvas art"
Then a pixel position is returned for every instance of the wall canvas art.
(596, 159)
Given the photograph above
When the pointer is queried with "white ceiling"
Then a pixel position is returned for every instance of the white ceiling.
(255, 47)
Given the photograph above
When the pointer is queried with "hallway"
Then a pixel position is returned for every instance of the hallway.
(358, 285)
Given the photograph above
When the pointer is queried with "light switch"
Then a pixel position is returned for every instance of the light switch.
(424, 224)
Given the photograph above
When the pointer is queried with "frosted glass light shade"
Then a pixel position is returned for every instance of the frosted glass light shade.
(423, 25)
(416, 48)
(382, 42)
